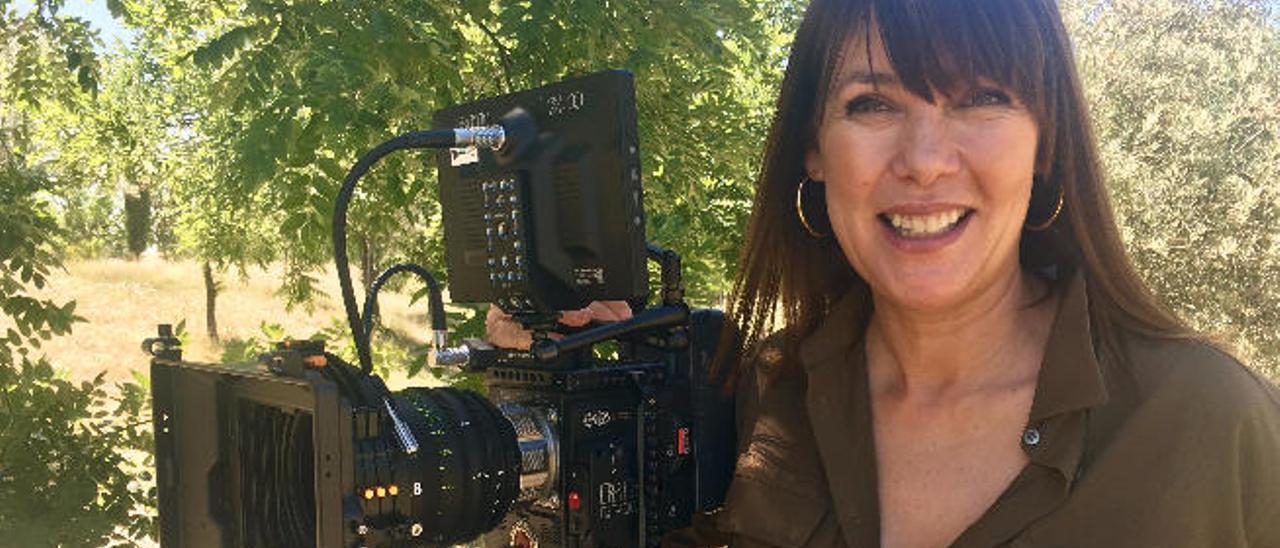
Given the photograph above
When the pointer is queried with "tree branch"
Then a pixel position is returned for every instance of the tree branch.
(503, 53)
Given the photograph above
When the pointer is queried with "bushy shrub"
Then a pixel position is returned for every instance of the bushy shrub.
(74, 461)
(73, 458)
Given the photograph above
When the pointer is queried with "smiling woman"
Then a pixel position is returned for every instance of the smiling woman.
(967, 357)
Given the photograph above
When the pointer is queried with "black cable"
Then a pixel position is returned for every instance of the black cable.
(436, 302)
(417, 139)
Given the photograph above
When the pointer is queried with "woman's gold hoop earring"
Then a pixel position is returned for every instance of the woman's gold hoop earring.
(804, 221)
(1057, 210)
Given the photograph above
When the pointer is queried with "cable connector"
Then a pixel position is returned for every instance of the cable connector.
(462, 356)
(453, 357)
(490, 137)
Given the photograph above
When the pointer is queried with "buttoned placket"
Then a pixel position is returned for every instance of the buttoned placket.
(1068, 386)
(1053, 447)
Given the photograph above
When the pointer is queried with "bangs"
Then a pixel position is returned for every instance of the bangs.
(949, 46)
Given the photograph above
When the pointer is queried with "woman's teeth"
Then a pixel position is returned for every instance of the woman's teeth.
(923, 226)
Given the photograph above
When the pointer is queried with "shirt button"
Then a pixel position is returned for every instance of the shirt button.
(1031, 436)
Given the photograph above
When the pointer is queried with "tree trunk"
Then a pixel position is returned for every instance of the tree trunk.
(210, 302)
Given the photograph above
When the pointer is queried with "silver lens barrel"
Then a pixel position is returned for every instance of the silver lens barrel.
(539, 448)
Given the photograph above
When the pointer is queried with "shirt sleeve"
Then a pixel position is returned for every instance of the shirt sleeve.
(1260, 468)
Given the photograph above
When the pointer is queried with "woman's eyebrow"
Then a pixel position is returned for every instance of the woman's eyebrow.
(870, 78)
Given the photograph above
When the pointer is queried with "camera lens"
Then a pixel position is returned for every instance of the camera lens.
(539, 448)
(468, 465)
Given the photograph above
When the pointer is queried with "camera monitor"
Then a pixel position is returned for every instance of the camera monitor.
(561, 226)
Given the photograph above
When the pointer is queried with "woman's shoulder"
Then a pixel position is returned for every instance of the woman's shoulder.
(773, 419)
(1197, 386)
(1210, 417)
(1195, 367)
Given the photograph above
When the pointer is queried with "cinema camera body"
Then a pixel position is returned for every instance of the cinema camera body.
(543, 211)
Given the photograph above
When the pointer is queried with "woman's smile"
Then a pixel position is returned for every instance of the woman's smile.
(924, 228)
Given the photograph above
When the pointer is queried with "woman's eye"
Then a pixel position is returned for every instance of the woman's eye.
(989, 97)
(866, 104)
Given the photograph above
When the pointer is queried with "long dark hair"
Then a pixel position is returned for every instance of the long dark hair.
(938, 45)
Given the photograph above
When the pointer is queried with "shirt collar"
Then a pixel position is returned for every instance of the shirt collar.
(1070, 376)
(831, 342)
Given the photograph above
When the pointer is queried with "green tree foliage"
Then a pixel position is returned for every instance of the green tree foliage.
(66, 474)
(306, 88)
(1184, 96)
(105, 145)
(39, 49)
(68, 478)
(31, 76)
(123, 141)
(26, 255)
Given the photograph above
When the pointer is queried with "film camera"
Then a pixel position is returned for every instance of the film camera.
(543, 211)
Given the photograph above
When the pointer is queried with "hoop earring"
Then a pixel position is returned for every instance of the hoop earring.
(804, 221)
(1057, 210)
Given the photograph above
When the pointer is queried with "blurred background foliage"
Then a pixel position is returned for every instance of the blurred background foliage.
(220, 131)
(1186, 104)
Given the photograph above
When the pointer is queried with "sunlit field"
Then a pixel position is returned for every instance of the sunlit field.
(122, 301)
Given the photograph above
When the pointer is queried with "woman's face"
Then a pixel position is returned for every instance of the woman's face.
(926, 200)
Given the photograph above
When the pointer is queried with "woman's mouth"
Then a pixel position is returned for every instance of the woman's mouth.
(922, 227)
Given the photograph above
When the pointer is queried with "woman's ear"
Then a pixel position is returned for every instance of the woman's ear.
(1044, 157)
(813, 165)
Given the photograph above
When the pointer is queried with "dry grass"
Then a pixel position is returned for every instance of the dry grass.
(123, 302)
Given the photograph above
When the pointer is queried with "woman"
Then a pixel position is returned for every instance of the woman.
(967, 357)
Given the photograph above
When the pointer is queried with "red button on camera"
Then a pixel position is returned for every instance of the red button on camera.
(575, 502)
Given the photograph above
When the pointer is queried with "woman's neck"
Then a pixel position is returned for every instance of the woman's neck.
(992, 341)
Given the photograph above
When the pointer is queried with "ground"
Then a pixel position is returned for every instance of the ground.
(124, 300)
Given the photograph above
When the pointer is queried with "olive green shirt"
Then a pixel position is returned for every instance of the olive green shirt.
(1177, 446)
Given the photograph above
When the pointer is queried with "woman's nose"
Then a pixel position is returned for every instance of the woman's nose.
(926, 149)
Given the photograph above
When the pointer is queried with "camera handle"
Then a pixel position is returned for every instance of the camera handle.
(673, 313)
(547, 349)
